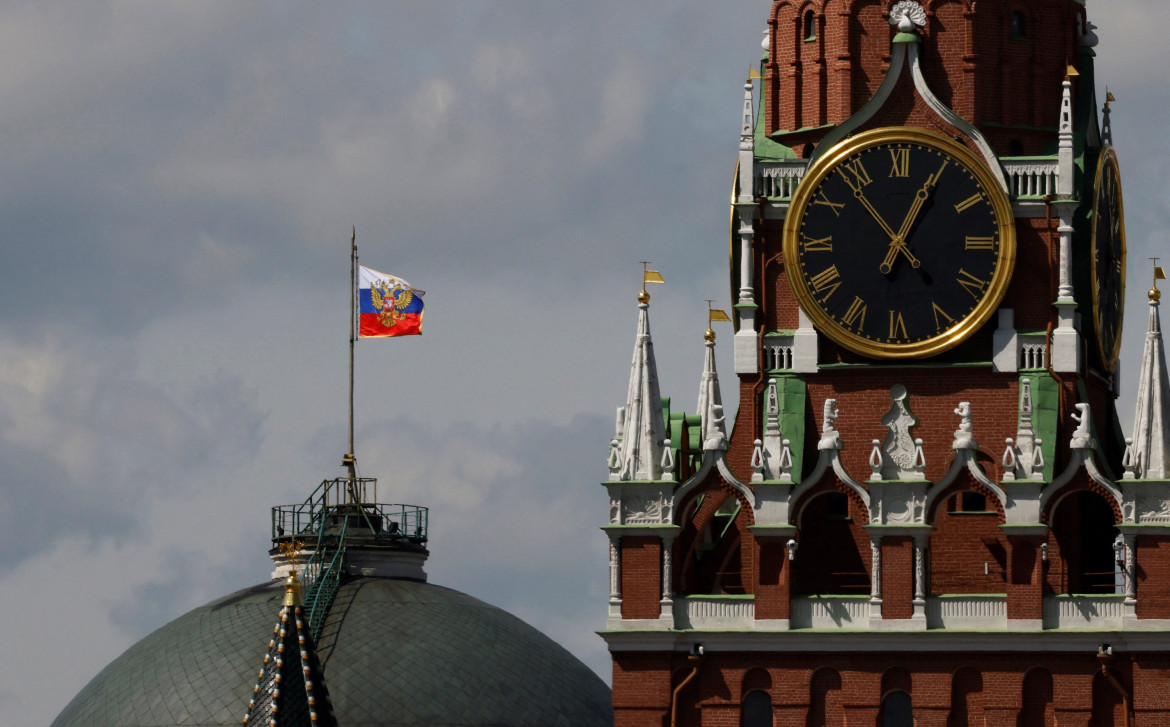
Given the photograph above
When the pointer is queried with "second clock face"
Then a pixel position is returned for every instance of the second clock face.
(899, 243)
(1108, 259)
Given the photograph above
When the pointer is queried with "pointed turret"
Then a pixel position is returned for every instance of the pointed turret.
(710, 406)
(290, 689)
(643, 441)
(1151, 424)
(1106, 122)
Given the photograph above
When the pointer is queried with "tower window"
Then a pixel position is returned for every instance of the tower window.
(756, 710)
(810, 26)
(896, 710)
(1019, 26)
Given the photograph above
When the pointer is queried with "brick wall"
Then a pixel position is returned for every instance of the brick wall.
(969, 57)
(946, 689)
(1153, 576)
(641, 576)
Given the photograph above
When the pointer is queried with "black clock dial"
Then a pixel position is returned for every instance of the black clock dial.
(1108, 258)
(900, 244)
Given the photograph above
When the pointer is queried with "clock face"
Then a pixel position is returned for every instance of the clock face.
(1108, 258)
(899, 243)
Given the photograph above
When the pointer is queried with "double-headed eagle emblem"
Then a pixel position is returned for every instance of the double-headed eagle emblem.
(390, 301)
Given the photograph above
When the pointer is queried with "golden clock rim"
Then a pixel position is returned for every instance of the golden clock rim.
(1109, 359)
(996, 289)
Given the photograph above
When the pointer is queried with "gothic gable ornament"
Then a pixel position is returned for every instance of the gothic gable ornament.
(900, 460)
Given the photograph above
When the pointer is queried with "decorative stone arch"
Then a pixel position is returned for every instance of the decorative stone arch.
(835, 554)
(828, 460)
(1082, 551)
(963, 466)
(714, 461)
(963, 483)
(802, 498)
(687, 576)
(1073, 479)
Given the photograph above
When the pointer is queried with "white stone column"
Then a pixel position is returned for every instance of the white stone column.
(667, 603)
(875, 580)
(920, 578)
(615, 577)
(1064, 293)
(1130, 575)
(919, 568)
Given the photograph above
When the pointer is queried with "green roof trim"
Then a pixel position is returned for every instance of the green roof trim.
(792, 396)
(1045, 415)
(765, 148)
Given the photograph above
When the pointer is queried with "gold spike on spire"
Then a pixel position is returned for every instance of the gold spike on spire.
(292, 590)
(1159, 274)
(1070, 73)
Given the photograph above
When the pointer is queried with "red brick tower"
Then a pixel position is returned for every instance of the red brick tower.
(925, 511)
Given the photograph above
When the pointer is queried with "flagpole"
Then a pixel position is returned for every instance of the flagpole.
(349, 461)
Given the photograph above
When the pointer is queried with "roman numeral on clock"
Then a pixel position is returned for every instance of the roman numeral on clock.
(968, 203)
(855, 174)
(825, 244)
(900, 162)
(826, 282)
(979, 243)
(855, 316)
(939, 313)
(972, 284)
(823, 200)
(897, 325)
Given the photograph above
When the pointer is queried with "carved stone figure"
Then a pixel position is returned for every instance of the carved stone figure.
(1082, 438)
(899, 449)
(964, 439)
(830, 438)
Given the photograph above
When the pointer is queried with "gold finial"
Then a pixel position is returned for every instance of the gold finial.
(1070, 73)
(292, 589)
(648, 276)
(1159, 274)
(713, 314)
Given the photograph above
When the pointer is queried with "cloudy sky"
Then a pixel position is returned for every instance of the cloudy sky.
(177, 186)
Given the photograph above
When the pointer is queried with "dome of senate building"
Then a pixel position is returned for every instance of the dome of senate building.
(395, 651)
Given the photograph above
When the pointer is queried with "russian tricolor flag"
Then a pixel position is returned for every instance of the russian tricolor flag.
(387, 305)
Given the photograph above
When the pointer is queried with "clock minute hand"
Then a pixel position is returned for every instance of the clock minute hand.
(898, 244)
(860, 195)
(919, 200)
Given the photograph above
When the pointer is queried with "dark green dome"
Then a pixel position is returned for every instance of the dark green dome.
(395, 652)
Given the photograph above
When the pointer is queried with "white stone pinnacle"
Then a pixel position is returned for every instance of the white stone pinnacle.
(710, 405)
(644, 432)
(1151, 435)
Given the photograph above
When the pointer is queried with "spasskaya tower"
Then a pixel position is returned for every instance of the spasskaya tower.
(923, 509)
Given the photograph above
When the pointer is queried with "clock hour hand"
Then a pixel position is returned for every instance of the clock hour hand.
(898, 243)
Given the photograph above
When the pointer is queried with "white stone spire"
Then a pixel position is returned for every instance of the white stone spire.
(1151, 422)
(640, 450)
(710, 406)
